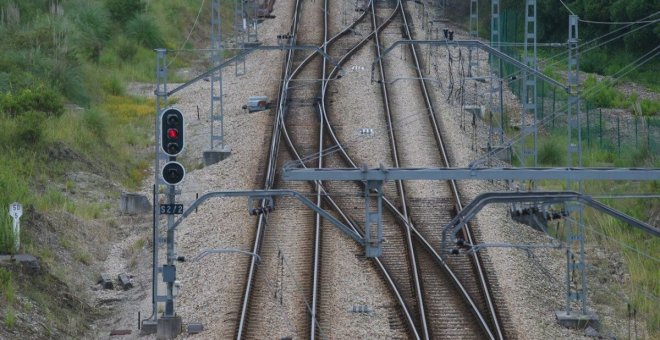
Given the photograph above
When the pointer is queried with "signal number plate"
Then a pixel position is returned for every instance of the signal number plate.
(171, 209)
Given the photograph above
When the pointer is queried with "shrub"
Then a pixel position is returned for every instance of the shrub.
(10, 318)
(6, 285)
(5, 82)
(126, 49)
(93, 30)
(6, 235)
(144, 30)
(96, 122)
(114, 86)
(650, 107)
(30, 128)
(42, 99)
(124, 10)
(67, 76)
(551, 154)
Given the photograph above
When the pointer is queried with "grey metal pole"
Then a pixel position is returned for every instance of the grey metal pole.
(171, 198)
(161, 102)
(217, 57)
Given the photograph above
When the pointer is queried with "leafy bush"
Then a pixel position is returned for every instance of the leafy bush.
(30, 128)
(6, 236)
(114, 86)
(144, 30)
(5, 82)
(124, 10)
(10, 318)
(636, 157)
(93, 29)
(96, 122)
(42, 99)
(551, 153)
(126, 49)
(6, 285)
(593, 62)
(67, 76)
(650, 107)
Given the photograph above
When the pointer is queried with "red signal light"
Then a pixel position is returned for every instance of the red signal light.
(173, 133)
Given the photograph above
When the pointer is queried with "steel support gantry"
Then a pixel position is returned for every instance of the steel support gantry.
(576, 275)
(474, 34)
(576, 283)
(469, 43)
(218, 149)
(529, 140)
(392, 174)
(496, 94)
(379, 175)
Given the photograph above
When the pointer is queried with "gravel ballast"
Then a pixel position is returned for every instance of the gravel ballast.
(211, 288)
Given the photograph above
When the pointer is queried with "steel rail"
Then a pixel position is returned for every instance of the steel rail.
(319, 198)
(441, 146)
(402, 192)
(380, 265)
(328, 199)
(270, 175)
(279, 127)
(402, 219)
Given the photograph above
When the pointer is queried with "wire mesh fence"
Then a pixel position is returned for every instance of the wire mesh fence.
(613, 130)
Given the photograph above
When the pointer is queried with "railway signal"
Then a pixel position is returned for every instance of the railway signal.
(173, 173)
(172, 134)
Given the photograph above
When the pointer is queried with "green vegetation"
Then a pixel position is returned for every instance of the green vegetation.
(7, 289)
(65, 108)
(621, 53)
(64, 70)
(10, 318)
(603, 94)
(608, 140)
(637, 249)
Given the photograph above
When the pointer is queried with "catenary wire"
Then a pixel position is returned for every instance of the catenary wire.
(199, 12)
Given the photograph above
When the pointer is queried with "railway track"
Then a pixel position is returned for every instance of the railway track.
(474, 275)
(409, 266)
(433, 289)
(281, 282)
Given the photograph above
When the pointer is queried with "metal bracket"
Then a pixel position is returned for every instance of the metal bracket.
(474, 44)
(269, 194)
(260, 205)
(373, 239)
(548, 197)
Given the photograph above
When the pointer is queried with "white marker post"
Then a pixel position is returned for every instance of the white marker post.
(16, 211)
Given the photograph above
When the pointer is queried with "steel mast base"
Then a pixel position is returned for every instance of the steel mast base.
(577, 320)
(216, 155)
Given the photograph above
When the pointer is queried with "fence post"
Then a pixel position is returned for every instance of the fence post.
(542, 98)
(618, 133)
(588, 128)
(636, 142)
(554, 102)
(648, 135)
(600, 126)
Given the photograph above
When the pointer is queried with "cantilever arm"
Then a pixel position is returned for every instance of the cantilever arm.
(548, 197)
(477, 44)
(269, 193)
(245, 53)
